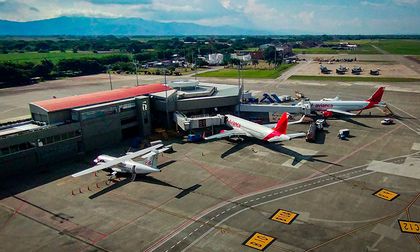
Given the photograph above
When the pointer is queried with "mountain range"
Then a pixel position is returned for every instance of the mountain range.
(86, 26)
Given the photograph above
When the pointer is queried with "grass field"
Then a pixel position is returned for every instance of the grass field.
(393, 46)
(248, 73)
(54, 56)
(399, 46)
(347, 79)
(361, 49)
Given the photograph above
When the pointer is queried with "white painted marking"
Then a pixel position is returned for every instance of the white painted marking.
(269, 201)
(416, 146)
(268, 190)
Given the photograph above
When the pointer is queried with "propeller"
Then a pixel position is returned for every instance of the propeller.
(133, 173)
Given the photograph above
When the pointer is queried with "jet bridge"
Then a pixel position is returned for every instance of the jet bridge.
(271, 112)
(197, 121)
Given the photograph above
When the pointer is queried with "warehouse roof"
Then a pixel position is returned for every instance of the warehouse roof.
(98, 97)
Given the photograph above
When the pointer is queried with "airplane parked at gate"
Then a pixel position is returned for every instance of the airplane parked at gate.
(330, 106)
(242, 127)
(125, 164)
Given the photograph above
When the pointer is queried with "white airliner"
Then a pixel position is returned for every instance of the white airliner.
(125, 164)
(242, 127)
(328, 106)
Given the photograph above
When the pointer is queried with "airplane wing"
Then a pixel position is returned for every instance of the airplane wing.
(116, 161)
(226, 133)
(341, 112)
(152, 153)
(272, 125)
(294, 135)
(285, 137)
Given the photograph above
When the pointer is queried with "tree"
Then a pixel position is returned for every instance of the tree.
(144, 56)
(201, 62)
(235, 61)
(254, 62)
(12, 73)
(270, 54)
(44, 69)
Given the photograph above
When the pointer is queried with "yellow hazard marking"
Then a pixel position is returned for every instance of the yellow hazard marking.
(386, 194)
(259, 241)
(409, 226)
(284, 216)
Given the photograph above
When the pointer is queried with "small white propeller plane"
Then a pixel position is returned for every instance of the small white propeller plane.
(125, 164)
(268, 132)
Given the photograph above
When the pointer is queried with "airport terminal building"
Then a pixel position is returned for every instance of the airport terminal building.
(66, 127)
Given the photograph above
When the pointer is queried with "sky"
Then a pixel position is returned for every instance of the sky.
(276, 16)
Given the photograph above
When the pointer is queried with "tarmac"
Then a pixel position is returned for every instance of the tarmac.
(213, 196)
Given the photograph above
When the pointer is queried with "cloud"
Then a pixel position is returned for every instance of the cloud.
(225, 4)
(406, 2)
(33, 9)
(373, 4)
(306, 16)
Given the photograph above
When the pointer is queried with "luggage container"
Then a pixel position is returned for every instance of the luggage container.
(311, 134)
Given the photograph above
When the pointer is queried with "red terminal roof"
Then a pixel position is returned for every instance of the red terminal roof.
(99, 97)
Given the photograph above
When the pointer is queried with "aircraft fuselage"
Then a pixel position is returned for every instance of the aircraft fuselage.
(127, 166)
(339, 105)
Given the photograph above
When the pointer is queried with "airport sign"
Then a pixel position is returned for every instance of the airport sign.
(284, 216)
(412, 227)
(259, 241)
(386, 194)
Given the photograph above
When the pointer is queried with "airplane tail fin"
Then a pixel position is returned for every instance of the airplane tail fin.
(152, 159)
(377, 96)
(281, 126)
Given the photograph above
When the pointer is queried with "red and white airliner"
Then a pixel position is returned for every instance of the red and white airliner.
(242, 127)
(330, 106)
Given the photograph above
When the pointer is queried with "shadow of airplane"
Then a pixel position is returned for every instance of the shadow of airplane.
(187, 191)
(297, 157)
(351, 120)
(144, 179)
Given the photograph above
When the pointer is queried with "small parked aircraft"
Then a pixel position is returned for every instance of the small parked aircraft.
(125, 164)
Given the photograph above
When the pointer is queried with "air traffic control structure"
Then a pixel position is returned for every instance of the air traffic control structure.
(66, 127)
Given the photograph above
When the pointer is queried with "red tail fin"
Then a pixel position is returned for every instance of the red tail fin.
(377, 96)
(281, 126)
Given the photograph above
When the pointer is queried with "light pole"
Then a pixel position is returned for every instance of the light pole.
(109, 75)
(239, 87)
(166, 100)
(137, 75)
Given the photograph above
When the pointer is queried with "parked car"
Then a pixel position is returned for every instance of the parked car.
(343, 134)
(387, 121)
